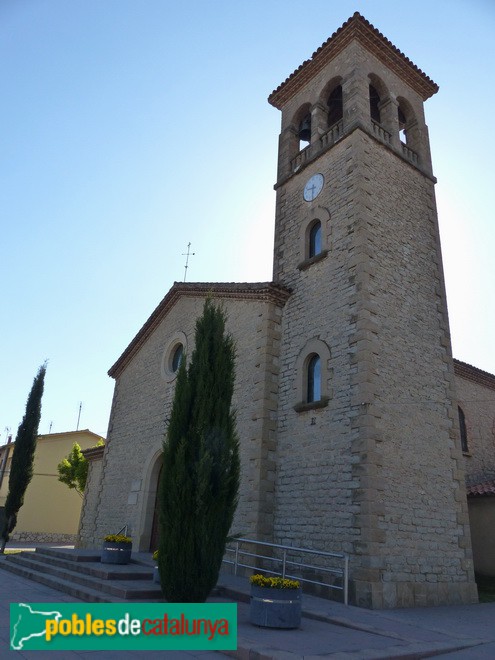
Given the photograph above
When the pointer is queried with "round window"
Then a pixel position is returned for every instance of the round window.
(172, 356)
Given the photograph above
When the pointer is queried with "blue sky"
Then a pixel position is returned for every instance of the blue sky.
(131, 127)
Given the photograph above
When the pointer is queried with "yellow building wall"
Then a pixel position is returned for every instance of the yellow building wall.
(51, 510)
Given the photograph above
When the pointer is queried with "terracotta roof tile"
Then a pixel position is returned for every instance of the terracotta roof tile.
(356, 27)
(268, 291)
(475, 375)
(93, 453)
(479, 490)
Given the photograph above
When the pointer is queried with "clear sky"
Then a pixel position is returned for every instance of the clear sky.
(130, 127)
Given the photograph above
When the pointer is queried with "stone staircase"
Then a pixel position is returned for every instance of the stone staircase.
(80, 574)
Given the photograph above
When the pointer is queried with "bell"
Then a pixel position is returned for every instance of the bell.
(305, 129)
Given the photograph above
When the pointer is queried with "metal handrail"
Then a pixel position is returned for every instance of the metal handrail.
(240, 560)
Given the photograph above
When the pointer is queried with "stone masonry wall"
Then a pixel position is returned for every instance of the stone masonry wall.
(43, 537)
(476, 396)
(314, 504)
(87, 524)
(142, 404)
(423, 530)
(478, 404)
(377, 472)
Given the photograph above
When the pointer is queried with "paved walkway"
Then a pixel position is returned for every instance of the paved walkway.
(328, 629)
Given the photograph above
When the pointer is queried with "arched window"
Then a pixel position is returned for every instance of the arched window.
(335, 106)
(314, 379)
(304, 131)
(374, 104)
(402, 125)
(314, 239)
(462, 427)
(312, 372)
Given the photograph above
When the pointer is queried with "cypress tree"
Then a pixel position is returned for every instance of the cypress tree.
(200, 477)
(21, 468)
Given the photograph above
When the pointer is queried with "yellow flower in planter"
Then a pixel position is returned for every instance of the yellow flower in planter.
(155, 555)
(274, 582)
(117, 549)
(117, 538)
(279, 609)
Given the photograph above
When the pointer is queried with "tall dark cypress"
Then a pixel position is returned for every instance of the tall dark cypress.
(200, 477)
(21, 468)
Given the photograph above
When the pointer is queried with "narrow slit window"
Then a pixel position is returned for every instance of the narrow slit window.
(462, 427)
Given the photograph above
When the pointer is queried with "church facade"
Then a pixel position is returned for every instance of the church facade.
(347, 411)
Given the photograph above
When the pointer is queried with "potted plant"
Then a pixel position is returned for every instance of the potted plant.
(275, 602)
(156, 572)
(116, 549)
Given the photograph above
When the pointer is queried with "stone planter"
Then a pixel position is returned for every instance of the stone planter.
(116, 553)
(275, 608)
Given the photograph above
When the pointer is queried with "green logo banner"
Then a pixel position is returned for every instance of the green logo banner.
(127, 626)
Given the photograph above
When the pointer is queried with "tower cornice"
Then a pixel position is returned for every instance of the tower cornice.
(359, 29)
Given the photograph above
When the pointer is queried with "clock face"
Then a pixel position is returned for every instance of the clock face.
(313, 187)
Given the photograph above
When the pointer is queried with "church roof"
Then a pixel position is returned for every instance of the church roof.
(266, 291)
(78, 432)
(356, 27)
(480, 490)
(475, 375)
(93, 453)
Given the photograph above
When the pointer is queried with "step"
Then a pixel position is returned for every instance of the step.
(94, 568)
(79, 555)
(70, 553)
(76, 591)
(99, 590)
(122, 588)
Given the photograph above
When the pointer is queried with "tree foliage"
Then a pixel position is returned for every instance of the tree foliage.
(73, 470)
(21, 468)
(200, 477)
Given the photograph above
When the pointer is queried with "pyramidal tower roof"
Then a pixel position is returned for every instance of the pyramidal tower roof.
(358, 28)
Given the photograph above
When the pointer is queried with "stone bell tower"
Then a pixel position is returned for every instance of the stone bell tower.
(368, 451)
